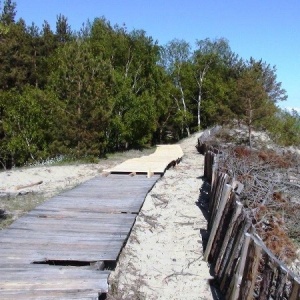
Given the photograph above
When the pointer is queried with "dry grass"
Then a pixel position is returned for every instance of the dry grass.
(15, 206)
(271, 193)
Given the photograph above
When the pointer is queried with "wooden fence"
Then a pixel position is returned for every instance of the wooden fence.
(243, 266)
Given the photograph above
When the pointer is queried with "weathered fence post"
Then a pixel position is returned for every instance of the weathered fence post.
(295, 293)
(251, 269)
(242, 263)
(234, 289)
(224, 197)
(217, 195)
(237, 211)
(214, 170)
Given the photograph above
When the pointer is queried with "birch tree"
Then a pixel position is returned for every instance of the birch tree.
(207, 53)
(175, 55)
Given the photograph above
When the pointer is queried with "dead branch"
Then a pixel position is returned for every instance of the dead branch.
(19, 187)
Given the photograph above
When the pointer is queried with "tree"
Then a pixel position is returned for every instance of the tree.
(8, 14)
(208, 52)
(133, 58)
(82, 84)
(176, 54)
(253, 100)
(63, 29)
(284, 127)
(257, 93)
(252, 103)
(15, 56)
(47, 47)
(268, 78)
(29, 122)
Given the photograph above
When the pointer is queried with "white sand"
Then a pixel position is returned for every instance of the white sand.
(163, 258)
(54, 179)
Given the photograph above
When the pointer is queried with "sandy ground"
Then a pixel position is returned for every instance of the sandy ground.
(163, 258)
(46, 180)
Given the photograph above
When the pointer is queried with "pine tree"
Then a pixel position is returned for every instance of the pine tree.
(8, 14)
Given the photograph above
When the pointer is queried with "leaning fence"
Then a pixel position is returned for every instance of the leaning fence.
(243, 266)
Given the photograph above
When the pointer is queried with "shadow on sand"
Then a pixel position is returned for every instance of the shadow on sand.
(203, 204)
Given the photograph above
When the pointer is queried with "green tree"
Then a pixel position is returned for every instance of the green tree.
(210, 56)
(28, 124)
(15, 56)
(8, 14)
(284, 127)
(257, 93)
(175, 56)
(253, 102)
(63, 30)
(82, 84)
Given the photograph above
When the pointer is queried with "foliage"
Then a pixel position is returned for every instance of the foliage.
(82, 85)
(28, 125)
(103, 89)
(284, 128)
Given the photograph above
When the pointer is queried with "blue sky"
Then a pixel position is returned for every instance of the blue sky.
(263, 29)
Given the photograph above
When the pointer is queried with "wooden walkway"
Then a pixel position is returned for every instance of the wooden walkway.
(64, 248)
(50, 252)
(155, 163)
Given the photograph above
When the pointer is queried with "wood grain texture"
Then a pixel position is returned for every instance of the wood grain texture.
(87, 224)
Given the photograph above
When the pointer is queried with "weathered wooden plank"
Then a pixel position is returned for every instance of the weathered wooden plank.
(130, 204)
(68, 244)
(235, 248)
(75, 232)
(85, 215)
(64, 226)
(223, 200)
(295, 292)
(42, 281)
(105, 233)
(50, 295)
(251, 270)
(215, 200)
(234, 289)
(281, 280)
(84, 224)
(108, 252)
(224, 223)
(42, 219)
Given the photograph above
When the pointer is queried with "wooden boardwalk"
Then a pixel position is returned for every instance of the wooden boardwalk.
(51, 252)
(155, 163)
(64, 248)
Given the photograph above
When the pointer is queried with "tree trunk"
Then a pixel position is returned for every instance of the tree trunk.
(184, 111)
(249, 135)
(250, 123)
(198, 107)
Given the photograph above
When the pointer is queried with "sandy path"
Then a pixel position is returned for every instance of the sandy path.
(163, 256)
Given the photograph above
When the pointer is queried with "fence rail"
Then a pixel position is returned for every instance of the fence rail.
(244, 267)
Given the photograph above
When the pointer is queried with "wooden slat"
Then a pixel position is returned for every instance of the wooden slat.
(236, 213)
(51, 282)
(88, 223)
(156, 162)
(223, 200)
